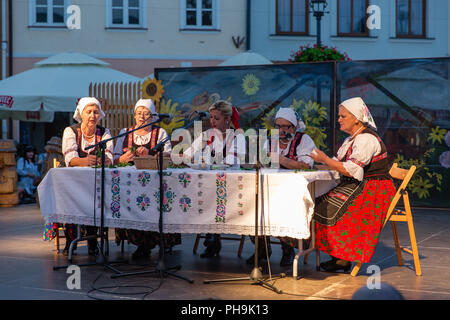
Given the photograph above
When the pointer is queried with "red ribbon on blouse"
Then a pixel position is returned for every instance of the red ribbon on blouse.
(235, 118)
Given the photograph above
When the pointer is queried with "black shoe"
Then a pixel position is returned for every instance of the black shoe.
(288, 257)
(93, 251)
(67, 246)
(261, 256)
(335, 265)
(141, 252)
(212, 250)
(306, 244)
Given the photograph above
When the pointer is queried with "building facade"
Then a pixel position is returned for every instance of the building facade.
(364, 29)
(134, 36)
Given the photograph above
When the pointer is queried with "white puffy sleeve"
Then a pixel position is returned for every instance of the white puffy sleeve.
(118, 150)
(364, 147)
(69, 145)
(305, 147)
(163, 135)
(237, 150)
(109, 145)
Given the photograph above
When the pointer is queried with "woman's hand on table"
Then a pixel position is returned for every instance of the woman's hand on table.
(141, 152)
(92, 160)
(126, 157)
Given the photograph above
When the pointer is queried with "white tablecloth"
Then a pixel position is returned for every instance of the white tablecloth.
(195, 201)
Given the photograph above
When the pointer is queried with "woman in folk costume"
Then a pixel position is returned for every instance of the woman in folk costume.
(215, 143)
(350, 216)
(137, 144)
(76, 139)
(294, 147)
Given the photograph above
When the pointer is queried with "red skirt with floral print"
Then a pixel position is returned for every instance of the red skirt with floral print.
(355, 235)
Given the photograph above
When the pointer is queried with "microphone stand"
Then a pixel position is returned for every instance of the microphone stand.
(101, 259)
(161, 268)
(256, 275)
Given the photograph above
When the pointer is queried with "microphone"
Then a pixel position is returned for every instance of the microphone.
(160, 146)
(288, 135)
(199, 115)
(164, 117)
(203, 114)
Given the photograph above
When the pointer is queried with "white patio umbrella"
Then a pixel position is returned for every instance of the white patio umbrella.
(245, 59)
(54, 85)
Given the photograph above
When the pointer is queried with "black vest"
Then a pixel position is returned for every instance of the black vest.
(128, 142)
(292, 154)
(99, 131)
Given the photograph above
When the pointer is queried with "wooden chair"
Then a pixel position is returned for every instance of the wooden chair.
(396, 215)
(201, 236)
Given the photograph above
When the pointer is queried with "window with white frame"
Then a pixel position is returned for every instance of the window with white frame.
(48, 12)
(125, 13)
(199, 14)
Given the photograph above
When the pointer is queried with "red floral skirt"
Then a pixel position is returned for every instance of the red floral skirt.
(355, 234)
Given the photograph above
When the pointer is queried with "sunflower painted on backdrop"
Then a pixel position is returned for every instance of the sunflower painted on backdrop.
(428, 177)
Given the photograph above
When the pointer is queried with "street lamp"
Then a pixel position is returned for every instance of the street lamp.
(318, 10)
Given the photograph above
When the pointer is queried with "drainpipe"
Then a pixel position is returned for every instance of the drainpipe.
(10, 38)
(249, 15)
(3, 62)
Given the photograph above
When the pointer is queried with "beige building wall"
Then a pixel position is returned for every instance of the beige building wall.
(161, 43)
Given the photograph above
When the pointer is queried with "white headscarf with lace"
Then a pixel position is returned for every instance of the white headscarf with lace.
(293, 117)
(82, 103)
(358, 108)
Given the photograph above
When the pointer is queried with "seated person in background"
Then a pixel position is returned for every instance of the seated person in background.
(293, 149)
(137, 144)
(223, 116)
(28, 175)
(350, 216)
(76, 139)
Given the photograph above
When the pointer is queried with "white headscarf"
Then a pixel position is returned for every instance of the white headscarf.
(147, 103)
(358, 108)
(293, 117)
(82, 103)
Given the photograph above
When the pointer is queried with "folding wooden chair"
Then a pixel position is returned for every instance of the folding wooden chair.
(396, 215)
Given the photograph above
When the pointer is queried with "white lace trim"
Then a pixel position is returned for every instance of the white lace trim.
(274, 231)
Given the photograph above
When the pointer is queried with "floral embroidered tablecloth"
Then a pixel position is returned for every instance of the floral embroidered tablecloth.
(195, 201)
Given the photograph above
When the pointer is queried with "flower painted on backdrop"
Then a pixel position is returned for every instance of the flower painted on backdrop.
(184, 178)
(421, 186)
(185, 203)
(437, 135)
(447, 138)
(143, 178)
(143, 202)
(250, 84)
(152, 89)
(444, 159)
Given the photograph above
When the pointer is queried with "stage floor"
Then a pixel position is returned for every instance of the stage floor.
(26, 264)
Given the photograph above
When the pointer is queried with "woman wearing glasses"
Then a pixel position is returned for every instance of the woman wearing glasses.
(294, 147)
(137, 144)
